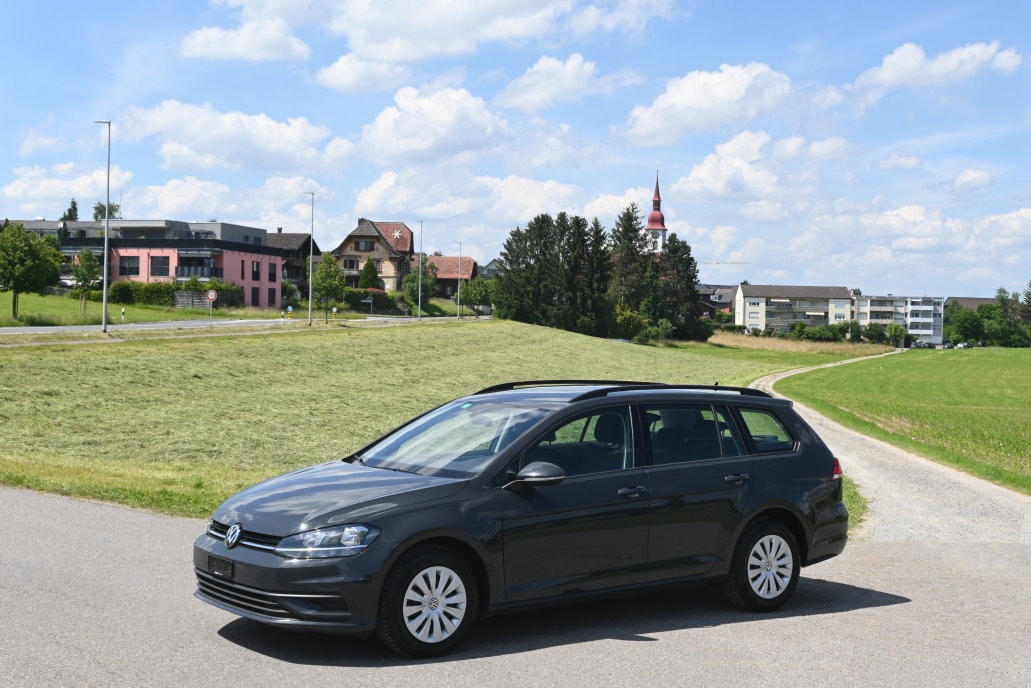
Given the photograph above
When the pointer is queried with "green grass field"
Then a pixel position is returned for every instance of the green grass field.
(177, 425)
(965, 408)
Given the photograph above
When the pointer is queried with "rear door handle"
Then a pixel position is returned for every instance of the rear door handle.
(631, 491)
(736, 478)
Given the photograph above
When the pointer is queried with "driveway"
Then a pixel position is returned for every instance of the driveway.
(935, 591)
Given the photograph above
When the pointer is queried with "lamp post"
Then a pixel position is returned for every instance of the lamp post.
(107, 223)
(459, 280)
(311, 254)
(421, 258)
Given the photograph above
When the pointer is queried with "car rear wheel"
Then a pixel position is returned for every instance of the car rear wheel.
(765, 568)
(428, 603)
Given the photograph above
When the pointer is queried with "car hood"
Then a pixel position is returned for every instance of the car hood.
(328, 494)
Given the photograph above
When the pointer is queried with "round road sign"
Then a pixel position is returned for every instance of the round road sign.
(212, 295)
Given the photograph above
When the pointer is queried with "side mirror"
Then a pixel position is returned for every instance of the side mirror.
(538, 474)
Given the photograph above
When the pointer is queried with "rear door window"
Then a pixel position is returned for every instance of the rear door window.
(767, 433)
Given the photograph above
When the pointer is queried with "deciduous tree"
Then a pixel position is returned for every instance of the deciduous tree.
(28, 263)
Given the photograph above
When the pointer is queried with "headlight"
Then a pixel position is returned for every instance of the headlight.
(341, 541)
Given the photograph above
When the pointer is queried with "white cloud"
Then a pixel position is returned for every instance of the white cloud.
(434, 28)
(766, 211)
(832, 147)
(199, 135)
(447, 122)
(34, 188)
(350, 74)
(736, 168)
(789, 148)
(909, 67)
(828, 97)
(262, 40)
(551, 81)
(898, 160)
(704, 100)
(179, 197)
(518, 200)
(971, 180)
(1009, 232)
(607, 207)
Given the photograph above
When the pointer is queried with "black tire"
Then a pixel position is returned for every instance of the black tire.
(765, 568)
(428, 604)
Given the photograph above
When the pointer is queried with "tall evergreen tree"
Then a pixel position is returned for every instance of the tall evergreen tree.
(369, 277)
(530, 273)
(72, 214)
(596, 310)
(630, 258)
(678, 276)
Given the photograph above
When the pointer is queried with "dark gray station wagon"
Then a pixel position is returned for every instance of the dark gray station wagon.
(529, 493)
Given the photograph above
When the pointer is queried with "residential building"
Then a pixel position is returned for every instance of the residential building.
(491, 269)
(296, 247)
(922, 316)
(389, 245)
(781, 308)
(451, 269)
(167, 250)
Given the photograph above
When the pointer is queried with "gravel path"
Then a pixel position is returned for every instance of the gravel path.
(913, 499)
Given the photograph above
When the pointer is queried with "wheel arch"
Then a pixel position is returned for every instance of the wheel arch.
(467, 551)
(789, 520)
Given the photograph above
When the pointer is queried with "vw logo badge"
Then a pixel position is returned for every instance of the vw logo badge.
(233, 535)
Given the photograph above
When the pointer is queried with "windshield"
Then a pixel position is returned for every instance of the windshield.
(456, 440)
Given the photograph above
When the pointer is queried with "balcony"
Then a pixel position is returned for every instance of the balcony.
(188, 271)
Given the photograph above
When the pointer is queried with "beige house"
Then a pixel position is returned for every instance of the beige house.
(387, 244)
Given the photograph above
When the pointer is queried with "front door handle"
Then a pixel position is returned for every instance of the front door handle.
(631, 491)
(736, 478)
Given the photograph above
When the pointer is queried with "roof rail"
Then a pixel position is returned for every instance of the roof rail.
(610, 386)
(715, 387)
(506, 386)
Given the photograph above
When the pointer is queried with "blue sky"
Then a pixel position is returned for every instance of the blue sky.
(880, 146)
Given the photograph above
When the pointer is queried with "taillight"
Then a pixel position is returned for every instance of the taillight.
(836, 470)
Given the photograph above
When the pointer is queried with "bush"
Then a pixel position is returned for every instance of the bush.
(381, 300)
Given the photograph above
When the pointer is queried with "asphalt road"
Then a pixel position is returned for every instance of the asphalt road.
(935, 591)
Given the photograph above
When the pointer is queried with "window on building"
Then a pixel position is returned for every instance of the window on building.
(129, 265)
(364, 245)
(271, 297)
(242, 264)
(839, 317)
(159, 266)
(752, 315)
(256, 270)
(753, 303)
(255, 296)
(271, 272)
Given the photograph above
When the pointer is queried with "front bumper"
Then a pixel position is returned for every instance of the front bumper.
(339, 595)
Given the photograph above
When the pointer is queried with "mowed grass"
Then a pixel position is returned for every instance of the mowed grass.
(970, 409)
(177, 425)
(36, 310)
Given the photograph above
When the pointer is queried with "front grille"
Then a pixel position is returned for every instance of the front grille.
(247, 537)
(241, 597)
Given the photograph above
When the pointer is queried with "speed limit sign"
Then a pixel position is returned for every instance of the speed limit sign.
(212, 295)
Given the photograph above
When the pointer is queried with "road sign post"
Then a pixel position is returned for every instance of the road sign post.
(212, 295)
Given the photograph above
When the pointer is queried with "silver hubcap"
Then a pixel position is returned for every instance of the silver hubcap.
(434, 605)
(770, 566)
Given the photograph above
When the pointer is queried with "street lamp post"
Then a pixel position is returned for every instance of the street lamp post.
(459, 280)
(311, 254)
(421, 258)
(107, 224)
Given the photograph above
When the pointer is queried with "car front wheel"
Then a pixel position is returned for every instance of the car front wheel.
(765, 567)
(428, 603)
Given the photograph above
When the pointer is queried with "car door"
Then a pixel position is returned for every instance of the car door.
(701, 488)
(588, 532)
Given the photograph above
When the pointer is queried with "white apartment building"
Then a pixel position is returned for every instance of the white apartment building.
(780, 307)
(922, 316)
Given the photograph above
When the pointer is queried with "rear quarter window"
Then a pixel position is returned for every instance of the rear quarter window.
(768, 433)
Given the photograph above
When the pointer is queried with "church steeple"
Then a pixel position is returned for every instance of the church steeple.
(656, 228)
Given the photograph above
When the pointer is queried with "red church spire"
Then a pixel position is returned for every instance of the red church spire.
(656, 228)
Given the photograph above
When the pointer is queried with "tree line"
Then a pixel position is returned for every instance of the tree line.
(571, 274)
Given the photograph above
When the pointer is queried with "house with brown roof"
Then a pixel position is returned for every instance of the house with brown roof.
(451, 269)
(295, 247)
(389, 245)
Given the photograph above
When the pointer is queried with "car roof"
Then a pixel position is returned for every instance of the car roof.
(560, 392)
